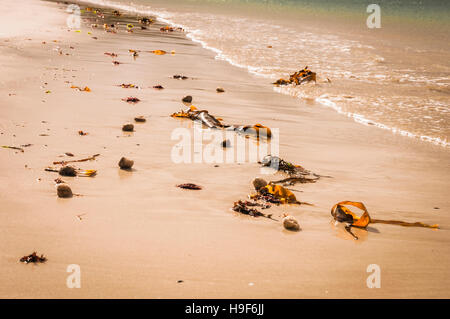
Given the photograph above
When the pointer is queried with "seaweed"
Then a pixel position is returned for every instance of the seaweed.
(342, 214)
(85, 89)
(72, 171)
(158, 52)
(128, 86)
(296, 173)
(131, 99)
(67, 171)
(268, 198)
(33, 258)
(190, 186)
(298, 78)
(14, 148)
(244, 207)
(146, 20)
(210, 121)
(180, 77)
(90, 158)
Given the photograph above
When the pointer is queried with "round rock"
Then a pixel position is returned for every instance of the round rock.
(290, 223)
(128, 128)
(259, 183)
(126, 163)
(64, 191)
(67, 171)
(187, 99)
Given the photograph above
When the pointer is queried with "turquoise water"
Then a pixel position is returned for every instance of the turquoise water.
(396, 77)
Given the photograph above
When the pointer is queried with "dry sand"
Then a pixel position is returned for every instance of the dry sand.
(140, 234)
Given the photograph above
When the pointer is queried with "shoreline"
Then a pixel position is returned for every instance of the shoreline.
(140, 234)
(323, 100)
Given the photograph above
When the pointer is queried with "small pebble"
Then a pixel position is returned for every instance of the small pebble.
(64, 191)
(140, 119)
(128, 128)
(125, 163)
(187, 99)
(220, 90)
(290, 223)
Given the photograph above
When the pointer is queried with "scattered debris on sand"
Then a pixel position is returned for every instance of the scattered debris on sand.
(145, 20)
(58, 181)
(275, 192)
(180, 77)
(111, 54)
(126, 163)
(158, 87)
(85, 89)
(190, 186)
(81, 133)
(168, 29)
(298, 78)
(220, 90)
(128, 86)
(158, 52)
(33, 258)
(131, 99)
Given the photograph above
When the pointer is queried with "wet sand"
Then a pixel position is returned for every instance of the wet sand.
(140, 235)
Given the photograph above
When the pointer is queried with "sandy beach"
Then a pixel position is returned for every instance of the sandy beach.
(134, 234)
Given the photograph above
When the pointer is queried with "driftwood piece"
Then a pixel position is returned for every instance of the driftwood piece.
(91, 158)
